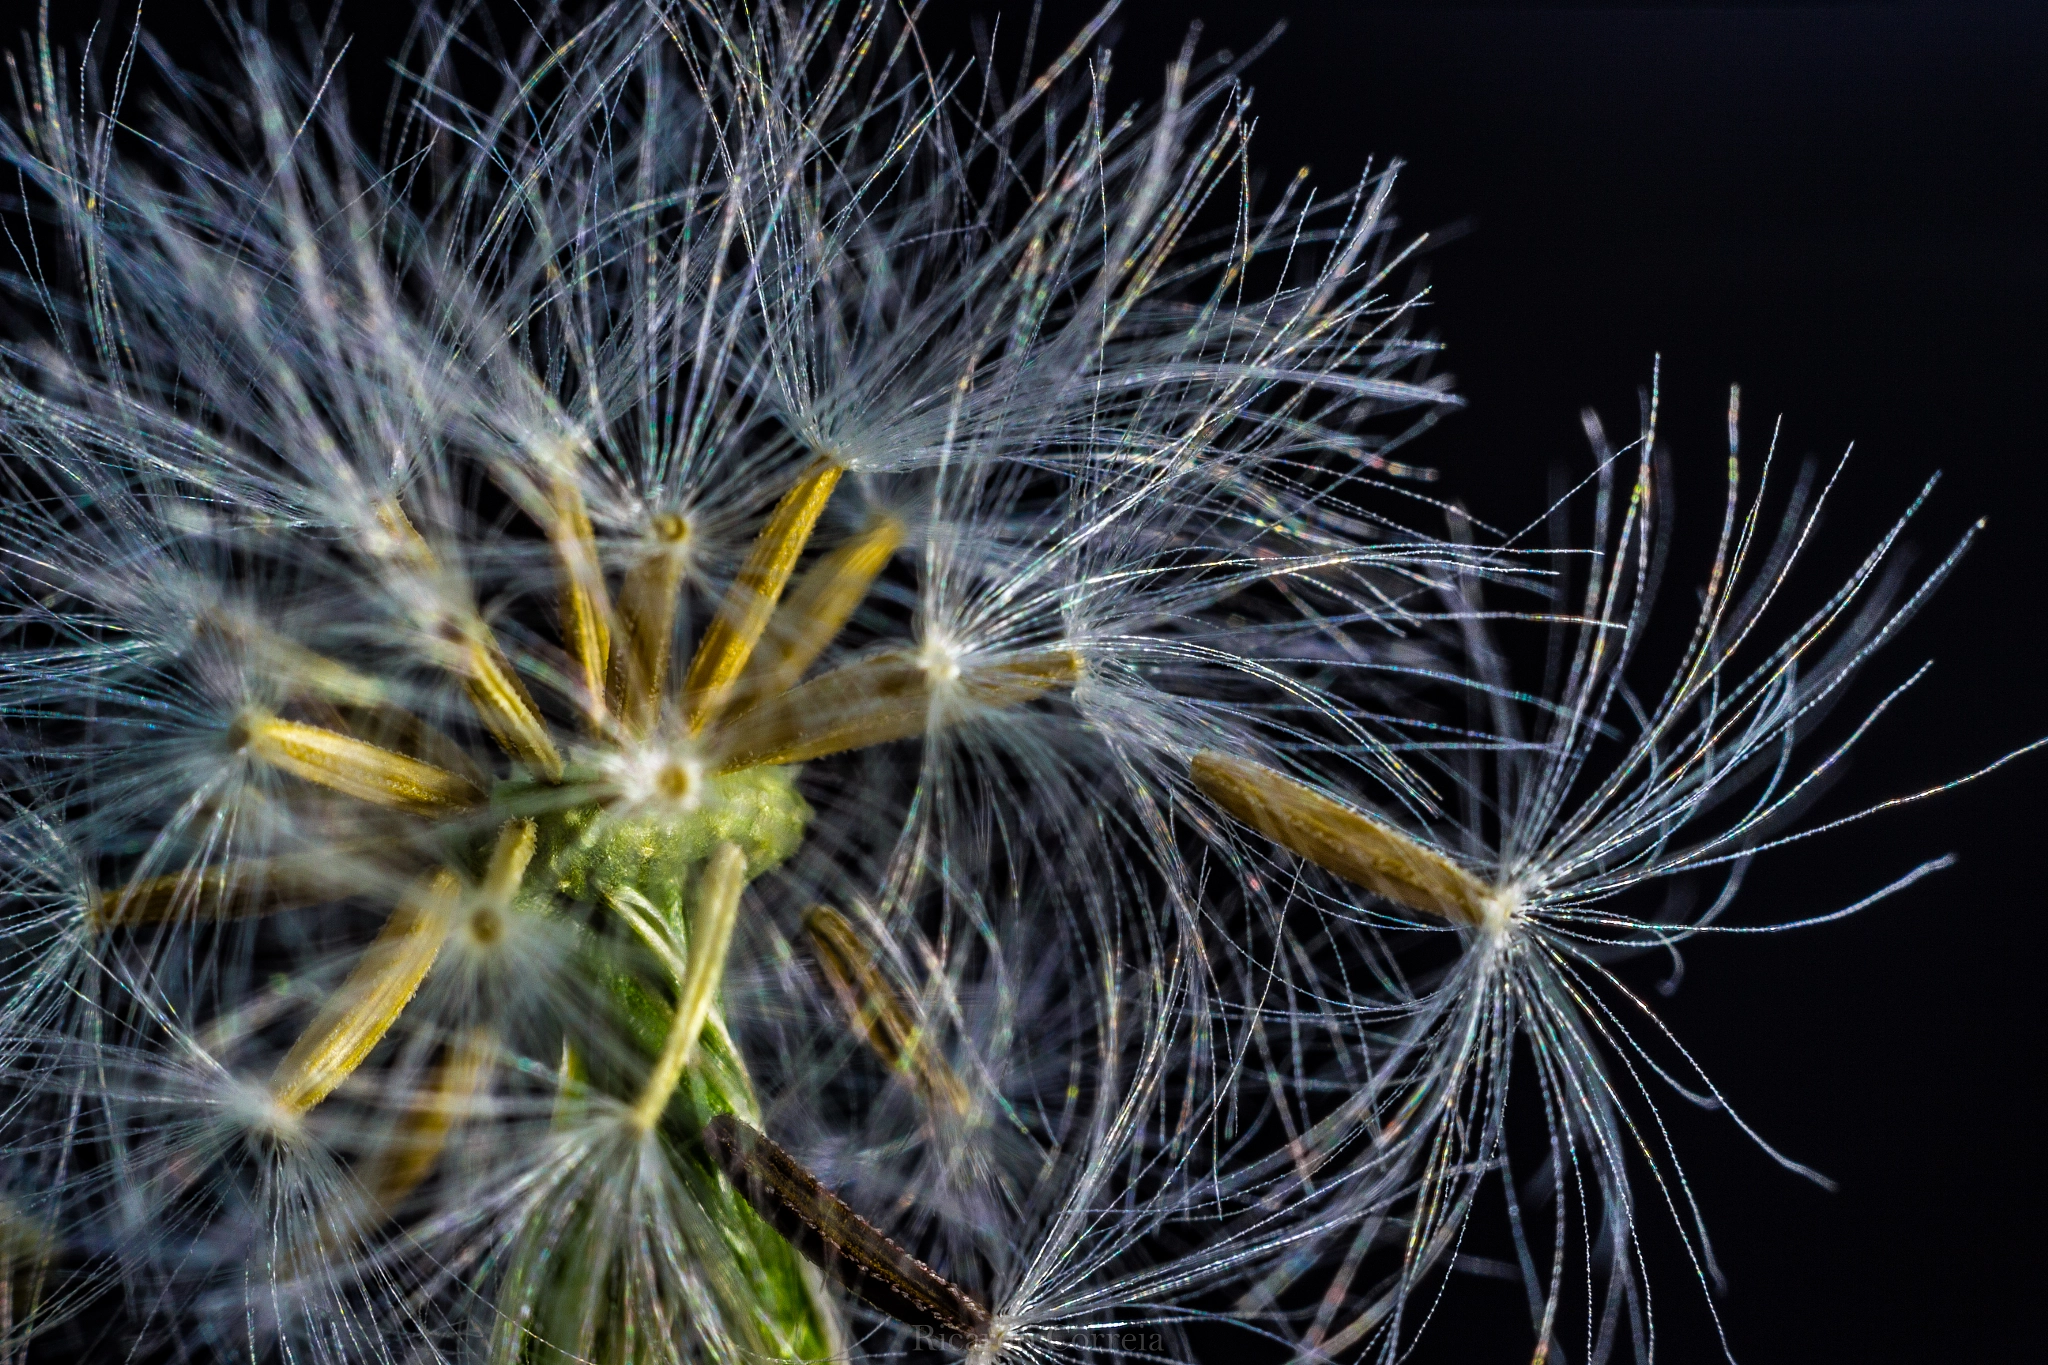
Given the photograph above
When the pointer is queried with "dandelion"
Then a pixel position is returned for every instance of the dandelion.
(584, 698)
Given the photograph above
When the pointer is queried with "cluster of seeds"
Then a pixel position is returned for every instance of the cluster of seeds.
(753, 701)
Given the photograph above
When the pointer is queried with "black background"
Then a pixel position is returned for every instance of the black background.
(1840, 208)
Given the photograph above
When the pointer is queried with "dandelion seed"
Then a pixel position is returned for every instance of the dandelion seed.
(352, 767)
(368, 1003)
(1429, 1067)
(837, 1238)
(884, 699)
(824, 600)
(586, 614)
(647, 607)
(255, 887)
(409, 1155)
(878, 1011)
(743, 615)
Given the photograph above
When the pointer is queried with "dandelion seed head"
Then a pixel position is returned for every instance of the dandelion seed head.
(644, 734)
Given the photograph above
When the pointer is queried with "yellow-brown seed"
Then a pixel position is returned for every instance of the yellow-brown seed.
(586, 611)
(407, 546)
(504, 705)
(875, 701)
(301, 670)
(510, 856)
(399, 730)
(348, 765)
(248, 887)
(1341, 840)
(408, 1156)
(723, 652)
(501, 700)
(838, 1240)
(358, 1015)
(647, 616)
(818, 608)
(889, 1021)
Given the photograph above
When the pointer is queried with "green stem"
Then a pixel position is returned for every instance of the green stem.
(571, 1294)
